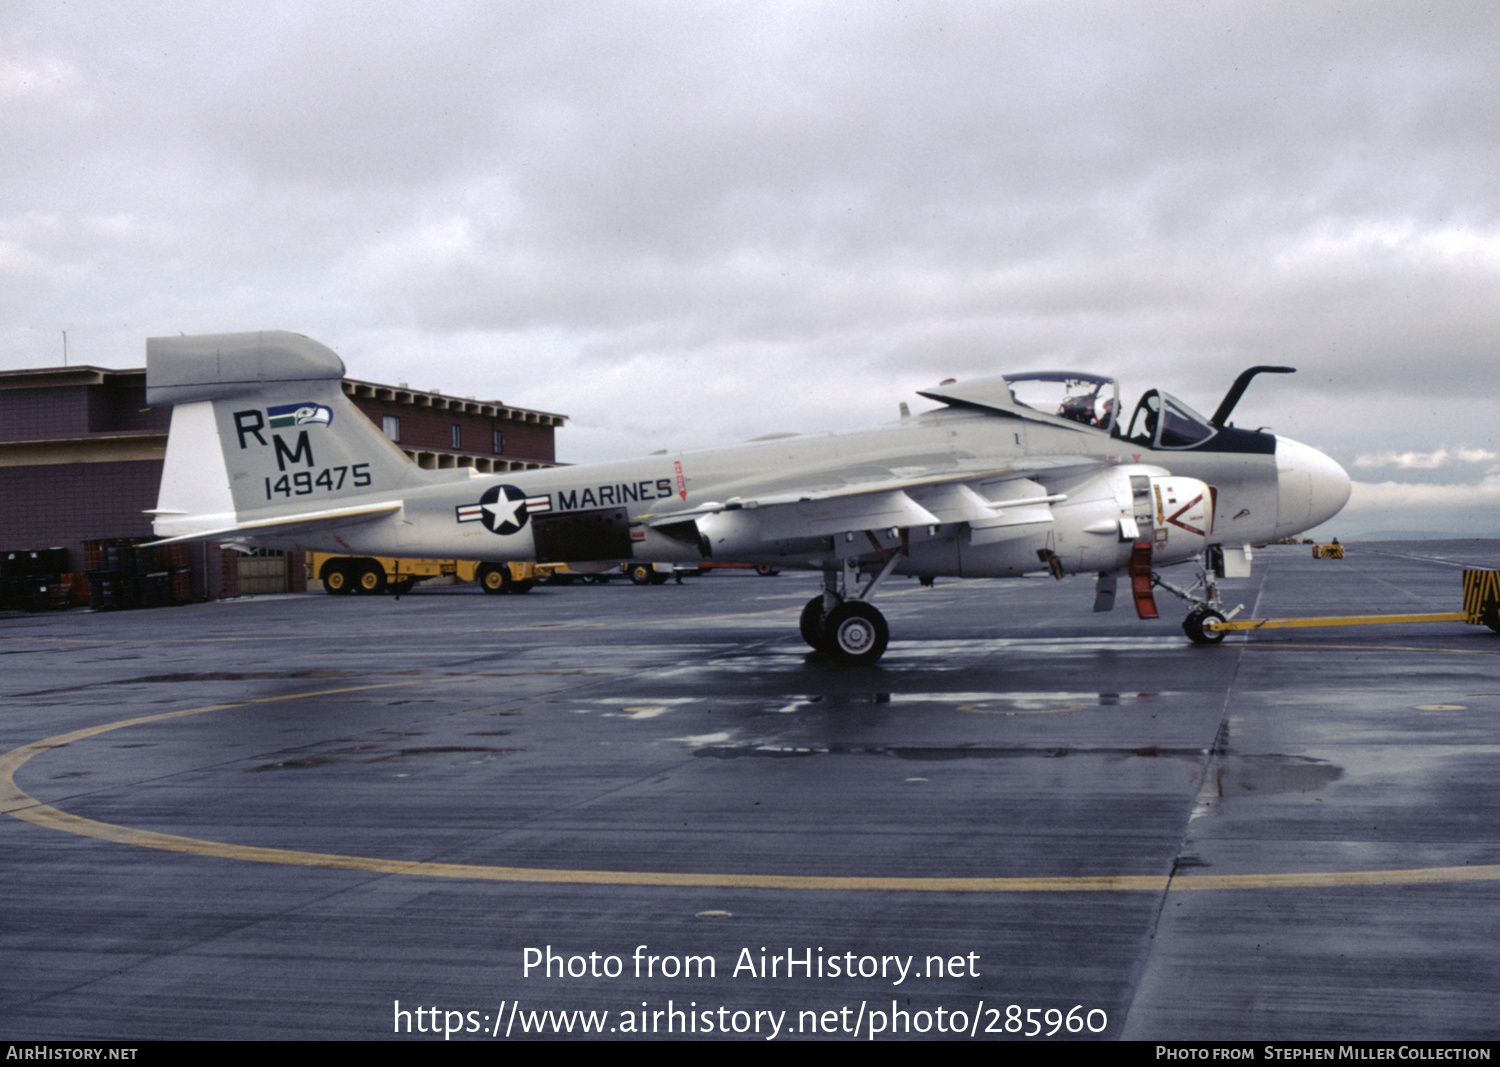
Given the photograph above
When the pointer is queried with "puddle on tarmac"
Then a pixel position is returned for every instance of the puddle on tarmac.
(1244, 776)
(636, 708)
(378, 753)
(935, 753)
(1020, 703)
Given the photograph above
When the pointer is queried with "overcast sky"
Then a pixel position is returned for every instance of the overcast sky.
(687, 224)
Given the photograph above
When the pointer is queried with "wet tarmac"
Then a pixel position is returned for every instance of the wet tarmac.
(278, 817)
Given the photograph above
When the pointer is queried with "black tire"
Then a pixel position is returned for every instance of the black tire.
(856, 633)
(811, 624)
(523, 586)
(493, 577)
(369, 579)
(660, 577)
(765, 570)
(338, 579)
(640, 573)
(1194, 628)
(402, 586)
(1490, 616)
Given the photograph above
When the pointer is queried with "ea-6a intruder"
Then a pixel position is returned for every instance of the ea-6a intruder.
(1011, 475)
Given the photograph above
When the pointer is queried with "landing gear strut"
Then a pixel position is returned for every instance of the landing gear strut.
(844, 624)
(1207, 608)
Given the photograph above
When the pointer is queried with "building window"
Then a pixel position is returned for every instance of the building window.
(499, 440)
(391, 424)
(458, 436)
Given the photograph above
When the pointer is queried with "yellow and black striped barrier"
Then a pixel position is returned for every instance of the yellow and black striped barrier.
(1482, 598)
(1481, 608)
(1333, 551)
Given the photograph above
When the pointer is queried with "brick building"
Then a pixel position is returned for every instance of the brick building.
(81, 455)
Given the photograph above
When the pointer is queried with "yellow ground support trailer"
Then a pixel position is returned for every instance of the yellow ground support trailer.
(378, 574)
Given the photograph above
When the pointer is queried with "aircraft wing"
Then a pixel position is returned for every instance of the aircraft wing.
(928, 499)
(329, 519)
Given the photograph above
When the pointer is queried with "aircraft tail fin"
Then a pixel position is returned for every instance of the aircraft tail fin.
(262, 431)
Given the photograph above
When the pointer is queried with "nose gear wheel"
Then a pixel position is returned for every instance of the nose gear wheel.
(1194, 627)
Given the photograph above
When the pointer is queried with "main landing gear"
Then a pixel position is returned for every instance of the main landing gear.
(845, 625)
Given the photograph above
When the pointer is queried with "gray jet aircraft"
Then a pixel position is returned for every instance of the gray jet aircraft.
(1011, 475)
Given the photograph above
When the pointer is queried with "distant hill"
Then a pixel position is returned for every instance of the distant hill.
(1448, 525)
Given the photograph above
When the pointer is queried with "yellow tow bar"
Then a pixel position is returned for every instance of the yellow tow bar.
(1481, 608)
(1332, 620)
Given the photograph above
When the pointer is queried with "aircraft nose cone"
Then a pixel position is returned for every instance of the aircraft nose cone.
(1310, 487)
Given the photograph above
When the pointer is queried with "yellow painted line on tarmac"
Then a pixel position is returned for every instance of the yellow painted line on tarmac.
(19, 804)
(12, 796)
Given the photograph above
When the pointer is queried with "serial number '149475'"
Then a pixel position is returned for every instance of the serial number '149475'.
(330, 479)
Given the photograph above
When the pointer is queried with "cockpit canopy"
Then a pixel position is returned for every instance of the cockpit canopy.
(1163, 421)
(1083, 398)
(1160, 420)
(1086, 399)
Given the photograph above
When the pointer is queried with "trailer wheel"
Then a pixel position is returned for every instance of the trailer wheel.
(523, 586)
(765, 570)
(337, 578)
(494, 577)
(370, 579)
(640, 573)
(402, 586)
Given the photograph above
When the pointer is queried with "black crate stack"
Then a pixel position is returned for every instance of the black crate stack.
(130, 574)
(31, 579)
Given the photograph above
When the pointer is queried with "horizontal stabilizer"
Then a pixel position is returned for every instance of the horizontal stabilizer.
(285, 524)
(181, 370)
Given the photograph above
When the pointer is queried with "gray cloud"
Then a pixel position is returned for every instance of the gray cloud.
(698, 222)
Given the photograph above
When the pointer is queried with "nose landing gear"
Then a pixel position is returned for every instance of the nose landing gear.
(1197, 627)
(1207, 609)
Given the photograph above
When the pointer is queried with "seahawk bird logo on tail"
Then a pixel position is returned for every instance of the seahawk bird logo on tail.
(299, 415)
